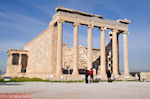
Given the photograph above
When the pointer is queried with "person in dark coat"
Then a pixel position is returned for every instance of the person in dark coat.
(86, 75)
(139, 77)
(109, 76)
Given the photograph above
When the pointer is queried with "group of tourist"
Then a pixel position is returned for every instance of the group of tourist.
(90, 73)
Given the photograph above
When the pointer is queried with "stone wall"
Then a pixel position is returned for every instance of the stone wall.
(14, 69)
(145, 76)
(42, 52)
(82, 57)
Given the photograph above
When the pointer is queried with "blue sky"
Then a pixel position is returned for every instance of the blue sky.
(23, 20)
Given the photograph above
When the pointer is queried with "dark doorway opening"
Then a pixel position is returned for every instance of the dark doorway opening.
(15, 59)
(24, 61)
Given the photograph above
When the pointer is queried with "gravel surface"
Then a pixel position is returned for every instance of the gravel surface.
(102, 90)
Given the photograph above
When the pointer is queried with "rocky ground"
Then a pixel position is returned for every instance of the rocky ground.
(102, 90)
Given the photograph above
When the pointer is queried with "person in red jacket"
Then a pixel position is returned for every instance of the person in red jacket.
(91, 75)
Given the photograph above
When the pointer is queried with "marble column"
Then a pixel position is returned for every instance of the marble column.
(115, 53)
(90, 47)
(118, 50)
(75, 49)
(126, 63)
(103, 53)
(59, 48)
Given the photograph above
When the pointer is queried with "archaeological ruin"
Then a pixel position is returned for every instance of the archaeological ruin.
(47, 57)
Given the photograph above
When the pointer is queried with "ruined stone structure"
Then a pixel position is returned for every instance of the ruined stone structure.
(47, 55)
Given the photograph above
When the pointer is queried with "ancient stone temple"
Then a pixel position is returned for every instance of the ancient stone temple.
(47, 56)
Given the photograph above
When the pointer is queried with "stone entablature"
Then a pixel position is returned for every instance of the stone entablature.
(61, 8)
(74, 16)
(11, 51)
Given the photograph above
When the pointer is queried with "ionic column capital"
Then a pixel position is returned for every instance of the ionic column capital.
(103, 28)
(115, 31)
(90, 26)
(76, 24)
(125, 32)
(60, 21)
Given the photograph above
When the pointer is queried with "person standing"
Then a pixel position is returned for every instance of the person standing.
(86, 75)
(139, 77)
(109, 76)
(91, 75)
